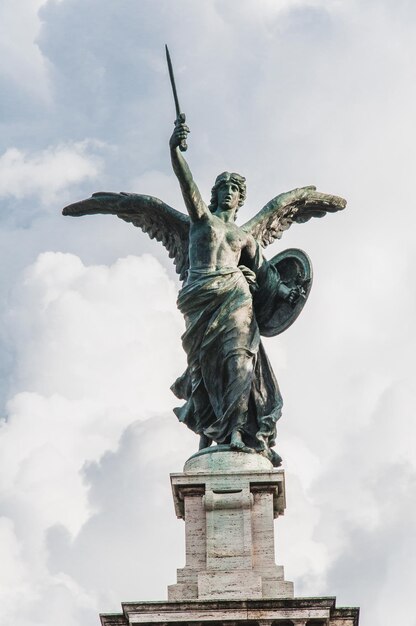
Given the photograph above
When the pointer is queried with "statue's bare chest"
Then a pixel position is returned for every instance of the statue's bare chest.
(215, 233)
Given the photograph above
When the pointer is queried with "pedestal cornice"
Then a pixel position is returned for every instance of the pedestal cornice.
(320, 611)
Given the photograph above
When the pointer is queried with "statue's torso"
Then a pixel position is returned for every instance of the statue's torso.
(215, 244)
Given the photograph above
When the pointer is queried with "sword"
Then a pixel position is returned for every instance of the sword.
(180, 117)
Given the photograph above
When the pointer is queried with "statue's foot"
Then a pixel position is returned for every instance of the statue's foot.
(204, 441)
(237, 442)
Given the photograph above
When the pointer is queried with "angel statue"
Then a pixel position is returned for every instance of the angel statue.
(230, 296)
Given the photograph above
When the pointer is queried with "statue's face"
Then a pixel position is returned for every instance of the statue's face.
(228, 195)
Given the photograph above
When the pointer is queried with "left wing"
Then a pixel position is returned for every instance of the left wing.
(298, 205)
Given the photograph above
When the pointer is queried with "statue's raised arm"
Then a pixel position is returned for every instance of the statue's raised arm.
(194, 203)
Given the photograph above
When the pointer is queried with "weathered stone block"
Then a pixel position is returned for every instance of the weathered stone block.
(229, 501)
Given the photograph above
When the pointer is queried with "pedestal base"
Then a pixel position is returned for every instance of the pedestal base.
(229, 500)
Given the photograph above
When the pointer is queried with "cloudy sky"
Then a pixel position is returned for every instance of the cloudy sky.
(289, 93)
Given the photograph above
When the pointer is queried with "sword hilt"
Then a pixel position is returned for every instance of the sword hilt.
(181, 119)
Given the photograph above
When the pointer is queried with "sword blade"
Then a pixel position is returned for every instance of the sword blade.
(172, 82)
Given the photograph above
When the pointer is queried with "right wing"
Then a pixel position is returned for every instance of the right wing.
(154, 217)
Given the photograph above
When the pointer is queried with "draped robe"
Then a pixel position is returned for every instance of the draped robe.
(220, 323)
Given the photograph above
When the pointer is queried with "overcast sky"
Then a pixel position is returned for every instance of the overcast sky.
(288, 93)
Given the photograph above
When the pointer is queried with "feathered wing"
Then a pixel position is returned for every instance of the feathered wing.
(298, 205)
(154, 217)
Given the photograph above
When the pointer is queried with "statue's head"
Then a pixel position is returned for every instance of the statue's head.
(228, 177)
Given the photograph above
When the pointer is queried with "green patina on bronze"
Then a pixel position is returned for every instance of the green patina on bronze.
(231, 295)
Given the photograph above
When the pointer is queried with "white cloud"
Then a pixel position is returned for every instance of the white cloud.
(47, 173)
(93, 357)
(85, 340)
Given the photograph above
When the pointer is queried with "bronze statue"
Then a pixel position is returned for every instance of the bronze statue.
(230, 295)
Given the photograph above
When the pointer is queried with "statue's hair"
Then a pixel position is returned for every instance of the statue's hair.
(226, 177)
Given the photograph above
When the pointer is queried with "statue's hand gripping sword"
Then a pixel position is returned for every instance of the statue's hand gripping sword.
(180, 117)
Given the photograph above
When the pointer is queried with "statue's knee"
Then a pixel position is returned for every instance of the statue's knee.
(239, 363)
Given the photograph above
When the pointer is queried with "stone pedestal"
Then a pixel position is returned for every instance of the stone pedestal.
(229, 501)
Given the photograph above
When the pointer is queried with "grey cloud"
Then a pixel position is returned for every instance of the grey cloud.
(383, 556)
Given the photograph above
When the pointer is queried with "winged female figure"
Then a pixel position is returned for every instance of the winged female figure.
(230, 296)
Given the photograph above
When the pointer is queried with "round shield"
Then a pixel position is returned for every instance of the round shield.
(295, 269)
